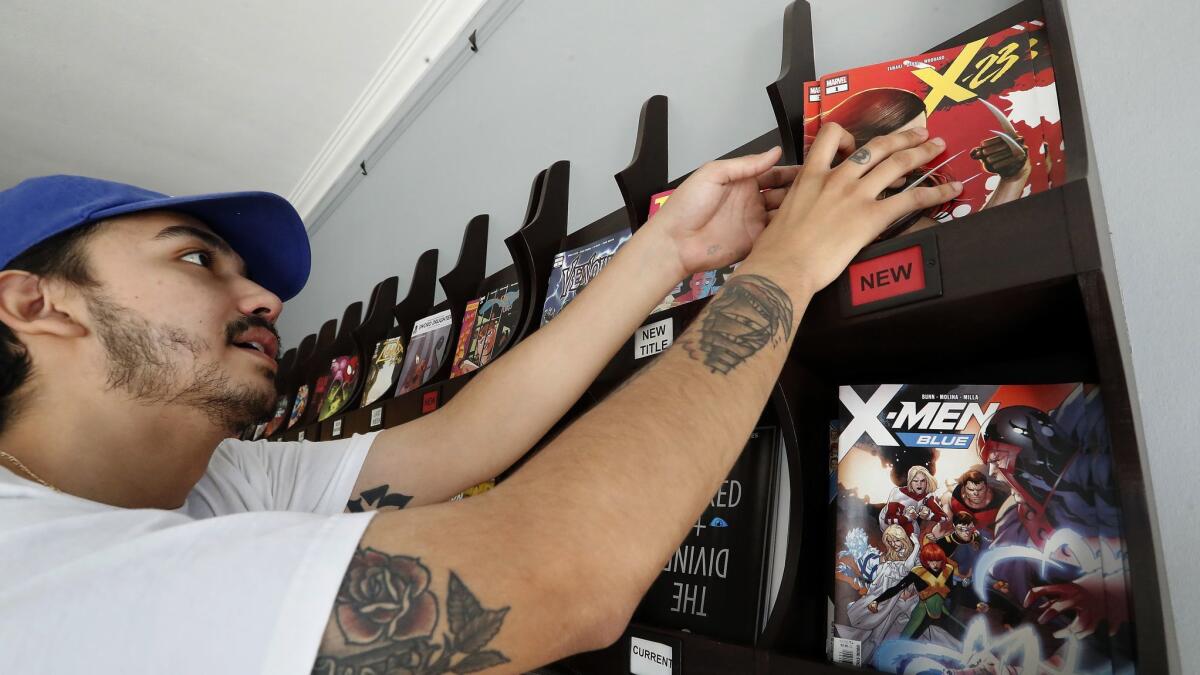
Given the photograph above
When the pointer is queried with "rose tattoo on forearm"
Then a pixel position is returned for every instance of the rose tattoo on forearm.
(387, 615)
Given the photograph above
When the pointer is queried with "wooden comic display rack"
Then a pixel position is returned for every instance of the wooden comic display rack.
(1025, 292)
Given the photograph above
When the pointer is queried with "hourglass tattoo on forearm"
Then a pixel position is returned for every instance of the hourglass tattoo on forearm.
(750, 313)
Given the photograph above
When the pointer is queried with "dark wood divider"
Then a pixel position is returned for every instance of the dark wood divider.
(533, 246)
(787, 93)
(647, 172)
(1028, 290)
(1027, 293)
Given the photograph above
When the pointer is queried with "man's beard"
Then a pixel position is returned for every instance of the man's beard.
(143, 363)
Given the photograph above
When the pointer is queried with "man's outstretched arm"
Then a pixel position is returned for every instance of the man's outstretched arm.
(554, 560)
(512, 403)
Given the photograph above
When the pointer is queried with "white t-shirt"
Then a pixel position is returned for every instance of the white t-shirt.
(240, 579)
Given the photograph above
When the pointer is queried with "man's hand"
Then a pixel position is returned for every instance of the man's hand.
(715, 216)
(830, 214)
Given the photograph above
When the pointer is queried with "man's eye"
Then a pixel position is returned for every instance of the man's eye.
(201, 258)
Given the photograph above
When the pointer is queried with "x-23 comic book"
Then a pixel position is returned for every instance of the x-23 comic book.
(993, 101)
(977, 531)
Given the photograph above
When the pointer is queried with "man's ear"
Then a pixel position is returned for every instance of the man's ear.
(27, 306)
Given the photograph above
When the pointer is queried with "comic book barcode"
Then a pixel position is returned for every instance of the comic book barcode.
(847, 652)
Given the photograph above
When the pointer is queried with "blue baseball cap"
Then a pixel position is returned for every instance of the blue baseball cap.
(263, 228)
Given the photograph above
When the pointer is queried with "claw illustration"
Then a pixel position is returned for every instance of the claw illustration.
(1005, 124)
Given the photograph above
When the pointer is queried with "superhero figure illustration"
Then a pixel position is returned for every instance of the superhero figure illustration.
(909, 505)
(975, 495)
(1057, 466)
(872, 627)
(963, 546)
(932, 579)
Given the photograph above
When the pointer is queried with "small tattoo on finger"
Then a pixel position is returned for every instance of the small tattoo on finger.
(861, 156)
(712, 250)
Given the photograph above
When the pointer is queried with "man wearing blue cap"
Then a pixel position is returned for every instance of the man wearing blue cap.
(136, 332)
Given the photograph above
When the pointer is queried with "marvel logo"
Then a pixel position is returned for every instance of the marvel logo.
(836, 85)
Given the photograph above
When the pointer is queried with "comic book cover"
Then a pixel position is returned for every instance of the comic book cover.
(573, 270)
(474, 490)
(1051, 154)
(493, 322)
(987, 99)
(714, 583)
(343, 381)
(279, 416)
(497, 321)
(319, 390)
(427, 348)
(975, 531)
(699, 285)
(812, 114)
(464, 337)
(298, 406)
(385, 369)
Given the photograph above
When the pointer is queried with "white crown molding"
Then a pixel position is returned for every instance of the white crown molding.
(395, 96)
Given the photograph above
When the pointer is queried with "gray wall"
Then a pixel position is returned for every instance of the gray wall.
(563, 80)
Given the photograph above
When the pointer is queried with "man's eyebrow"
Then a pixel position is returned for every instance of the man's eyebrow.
(203, 235)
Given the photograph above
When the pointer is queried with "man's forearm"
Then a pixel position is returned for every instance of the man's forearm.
(556, 558)
(635, 468)
(534, 384)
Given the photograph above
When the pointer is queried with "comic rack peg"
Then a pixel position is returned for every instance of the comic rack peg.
(787, 92)
(647, 172)
(534, 245)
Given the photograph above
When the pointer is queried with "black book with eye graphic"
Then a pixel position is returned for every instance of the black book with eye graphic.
(714, 584)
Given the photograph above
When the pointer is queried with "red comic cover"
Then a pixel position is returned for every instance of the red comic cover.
(984, 98)
(812, 113)
(464, 337)
(1053, 148)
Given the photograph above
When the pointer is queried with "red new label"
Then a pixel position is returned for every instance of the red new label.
(429, 402)
(887, 276)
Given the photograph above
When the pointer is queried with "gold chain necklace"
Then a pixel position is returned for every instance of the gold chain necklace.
(26, 470)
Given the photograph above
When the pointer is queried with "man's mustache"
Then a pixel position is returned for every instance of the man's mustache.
(245, 323)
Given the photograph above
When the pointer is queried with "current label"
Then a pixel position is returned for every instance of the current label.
(647, 657)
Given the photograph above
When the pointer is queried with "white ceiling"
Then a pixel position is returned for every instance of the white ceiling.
(191, 96)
